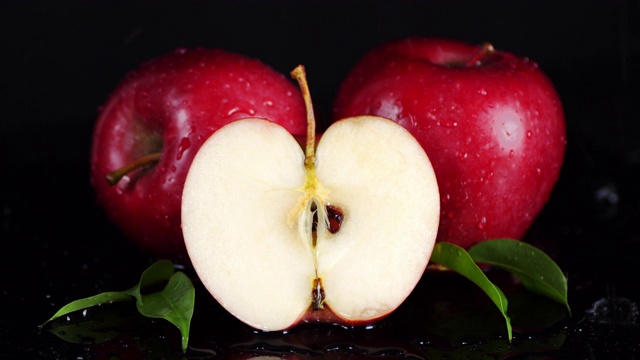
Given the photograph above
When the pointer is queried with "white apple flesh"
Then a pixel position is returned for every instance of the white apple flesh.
(340, 233)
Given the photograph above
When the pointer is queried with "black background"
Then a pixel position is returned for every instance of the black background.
(60, 60)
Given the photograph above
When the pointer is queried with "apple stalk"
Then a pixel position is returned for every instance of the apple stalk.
(485, 53)
(150, 159)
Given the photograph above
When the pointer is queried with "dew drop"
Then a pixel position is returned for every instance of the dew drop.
(482, 92)
(233, 111)
(529, 134)
(482, 223)
(185, 143)
(267, 103)
(511, 154)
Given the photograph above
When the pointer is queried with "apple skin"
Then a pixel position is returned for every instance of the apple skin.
(172, 104)
(494, 128)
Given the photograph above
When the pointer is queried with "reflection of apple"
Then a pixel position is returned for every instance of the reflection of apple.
(339, 233)
(159, 116)
(491, 123)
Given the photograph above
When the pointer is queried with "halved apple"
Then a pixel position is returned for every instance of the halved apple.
(340, 233)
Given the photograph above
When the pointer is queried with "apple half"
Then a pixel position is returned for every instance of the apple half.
(339, 232)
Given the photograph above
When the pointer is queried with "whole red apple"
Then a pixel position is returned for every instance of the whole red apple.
(491, 123)
(152, 125)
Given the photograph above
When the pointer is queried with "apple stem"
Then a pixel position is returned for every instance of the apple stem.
(484, 53)
(115, 176)
(300, 75)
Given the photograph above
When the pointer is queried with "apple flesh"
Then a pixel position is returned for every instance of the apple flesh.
(339, 233)
(491, 123)
(157, 119)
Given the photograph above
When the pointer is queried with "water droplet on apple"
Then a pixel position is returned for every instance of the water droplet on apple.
(511, 154)
(251, 112)
(289, 94)
(185, 143)
(233, 111)
(482, 92)
(482, 223)
(173, 168)
(445, 199)
(529, 134)
(538, 171)
(267, 103)
(491, 105)
(167, 221)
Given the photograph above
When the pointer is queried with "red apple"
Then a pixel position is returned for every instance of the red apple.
(158, 118)
(491, 123)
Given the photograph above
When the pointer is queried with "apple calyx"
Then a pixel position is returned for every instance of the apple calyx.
(150, 159)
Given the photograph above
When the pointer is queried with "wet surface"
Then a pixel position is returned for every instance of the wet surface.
(62, 61)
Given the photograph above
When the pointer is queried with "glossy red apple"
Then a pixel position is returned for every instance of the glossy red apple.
(159, 116)
(491, 122)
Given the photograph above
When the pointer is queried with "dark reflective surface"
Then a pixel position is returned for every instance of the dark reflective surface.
(60, 60)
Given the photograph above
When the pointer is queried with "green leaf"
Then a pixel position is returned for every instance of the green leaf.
(174, 303)
(537, 271)
(103, 298)
(456, 258)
